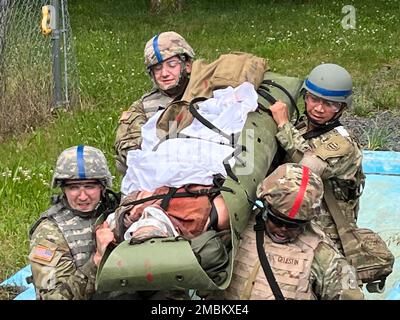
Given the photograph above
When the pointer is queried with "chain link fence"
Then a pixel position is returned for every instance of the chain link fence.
(27, 93)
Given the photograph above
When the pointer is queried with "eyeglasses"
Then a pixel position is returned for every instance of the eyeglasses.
(281, 222)
(76, 188)
(169, 64)
(331, 105)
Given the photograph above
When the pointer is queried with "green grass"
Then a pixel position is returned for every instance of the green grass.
(294, 36)
(377, 137)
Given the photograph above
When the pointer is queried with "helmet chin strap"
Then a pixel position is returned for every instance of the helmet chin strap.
(87, 215)
(180, 86)
(330, 121)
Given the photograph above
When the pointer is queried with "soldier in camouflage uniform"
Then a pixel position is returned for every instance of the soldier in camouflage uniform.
(63, 253)
(304, 261)
(168, 59)
(322, 143)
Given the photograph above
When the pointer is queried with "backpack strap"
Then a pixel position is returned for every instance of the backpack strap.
(172, 193)
(321, 130)
(208, 124)
(167, 198)
(239, 149)
(259, 228)
(213, 224)
(264, 92)
(232, 138)
(338, 218)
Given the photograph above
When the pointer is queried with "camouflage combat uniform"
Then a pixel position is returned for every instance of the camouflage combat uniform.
(159, 48)
(61, 254)
(308, 268)
(128, 135)
(62, 240)
(337, 158)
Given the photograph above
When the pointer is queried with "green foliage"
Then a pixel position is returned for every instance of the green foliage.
(110, 36)
(377, 138)
(9, 292)
(381, 92)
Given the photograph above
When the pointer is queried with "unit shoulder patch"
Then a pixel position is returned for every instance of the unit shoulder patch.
(335, 146)
(125, 116)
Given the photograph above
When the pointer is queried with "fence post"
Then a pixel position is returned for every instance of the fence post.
(64, 31)
(5, 9)
(55, 39)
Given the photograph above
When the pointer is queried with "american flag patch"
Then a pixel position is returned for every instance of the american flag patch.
(43, 253)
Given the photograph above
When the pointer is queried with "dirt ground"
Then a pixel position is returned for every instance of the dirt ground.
(9, 292)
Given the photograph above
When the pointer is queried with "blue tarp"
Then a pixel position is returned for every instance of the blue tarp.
(19, 280)
(379, 211)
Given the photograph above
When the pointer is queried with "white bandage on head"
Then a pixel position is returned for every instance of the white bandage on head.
(152, 217)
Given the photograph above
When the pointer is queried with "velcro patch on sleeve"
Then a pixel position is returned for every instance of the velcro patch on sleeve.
(125, 116)
(335, 146)
(43, 253)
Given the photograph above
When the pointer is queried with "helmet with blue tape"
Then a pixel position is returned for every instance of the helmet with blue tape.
(330, 82)
(81, 163)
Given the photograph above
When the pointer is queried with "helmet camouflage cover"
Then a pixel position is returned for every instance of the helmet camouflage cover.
(165, 45)
(81, 163)
(293, 190)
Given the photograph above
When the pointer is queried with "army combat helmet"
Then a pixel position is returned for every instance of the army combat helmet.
(294, 191)
(164, 46)
(330, 82)
(81, 163)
